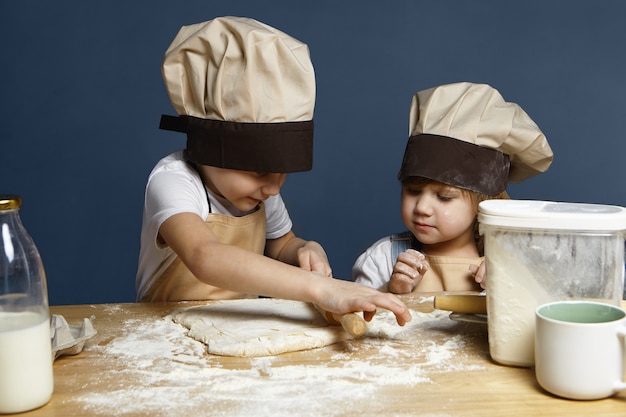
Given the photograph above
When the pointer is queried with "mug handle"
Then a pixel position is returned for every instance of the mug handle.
(621, 331)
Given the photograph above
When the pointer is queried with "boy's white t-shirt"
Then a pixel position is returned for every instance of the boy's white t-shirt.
(175, 187)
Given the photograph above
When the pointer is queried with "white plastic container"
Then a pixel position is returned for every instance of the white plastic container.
(541, 251)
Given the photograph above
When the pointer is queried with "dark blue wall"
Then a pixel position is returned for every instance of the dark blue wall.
(81, 96)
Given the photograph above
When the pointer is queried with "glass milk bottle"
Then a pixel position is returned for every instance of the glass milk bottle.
(25, 349)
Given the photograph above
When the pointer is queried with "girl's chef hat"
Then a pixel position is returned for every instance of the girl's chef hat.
(245, 94)
(467, 136)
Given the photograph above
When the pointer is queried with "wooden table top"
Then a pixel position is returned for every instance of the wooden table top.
(142, 364)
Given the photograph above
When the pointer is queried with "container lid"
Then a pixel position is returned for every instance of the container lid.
(536, 214)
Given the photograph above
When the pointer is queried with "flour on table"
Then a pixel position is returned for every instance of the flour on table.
(172, 373)
(258, 327)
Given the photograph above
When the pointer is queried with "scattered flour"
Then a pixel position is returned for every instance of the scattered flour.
(168, 368)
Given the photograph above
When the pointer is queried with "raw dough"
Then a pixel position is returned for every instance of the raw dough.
(258, 327)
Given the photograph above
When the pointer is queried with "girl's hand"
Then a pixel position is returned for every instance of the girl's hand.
(479, 274)
(408, 271)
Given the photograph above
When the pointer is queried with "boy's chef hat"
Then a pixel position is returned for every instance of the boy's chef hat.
(467, 136)
(245, 94)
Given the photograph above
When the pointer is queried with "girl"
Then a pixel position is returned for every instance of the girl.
(465, 144)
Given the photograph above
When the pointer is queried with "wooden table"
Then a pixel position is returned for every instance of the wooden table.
(141, 364)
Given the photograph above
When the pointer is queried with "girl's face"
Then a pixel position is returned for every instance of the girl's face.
(441, 217)
(244, 189)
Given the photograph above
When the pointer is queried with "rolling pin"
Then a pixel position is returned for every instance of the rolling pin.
(466, 303)
(352, 323)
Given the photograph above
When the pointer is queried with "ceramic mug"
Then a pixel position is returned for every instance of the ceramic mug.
(580, 348)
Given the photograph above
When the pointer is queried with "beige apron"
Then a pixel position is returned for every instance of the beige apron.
(177, 283)
(448, 273)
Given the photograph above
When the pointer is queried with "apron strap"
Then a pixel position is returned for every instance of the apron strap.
(193, 165)
(401, 242)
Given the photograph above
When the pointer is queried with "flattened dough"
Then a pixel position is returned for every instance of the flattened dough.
(258, 327)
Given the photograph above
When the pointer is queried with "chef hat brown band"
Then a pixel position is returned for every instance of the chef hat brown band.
(455, 162)
(257, 147)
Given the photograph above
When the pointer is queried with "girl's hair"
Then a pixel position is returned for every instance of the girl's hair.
(474, 196)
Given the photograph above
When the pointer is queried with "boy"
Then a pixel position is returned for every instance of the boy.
(214, 224)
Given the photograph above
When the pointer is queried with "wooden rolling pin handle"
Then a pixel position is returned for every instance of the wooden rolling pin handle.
(352, 323)
(468, 304)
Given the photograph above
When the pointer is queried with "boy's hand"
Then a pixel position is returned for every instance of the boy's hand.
(342, 297)
(312, 257)
(408, 271)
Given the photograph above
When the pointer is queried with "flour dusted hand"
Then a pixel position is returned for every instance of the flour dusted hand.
(408, 271)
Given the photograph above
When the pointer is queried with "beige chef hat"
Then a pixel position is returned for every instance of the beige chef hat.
(467, 136)
(244, 93)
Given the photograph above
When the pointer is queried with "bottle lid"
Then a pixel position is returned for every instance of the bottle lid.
(10, 201)
(536, 214)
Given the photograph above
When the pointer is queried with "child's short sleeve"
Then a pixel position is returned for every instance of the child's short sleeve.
(373, 267)
(172, 188)
(278, 220)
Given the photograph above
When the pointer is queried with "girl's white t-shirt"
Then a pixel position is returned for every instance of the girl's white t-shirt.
(373, 267)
